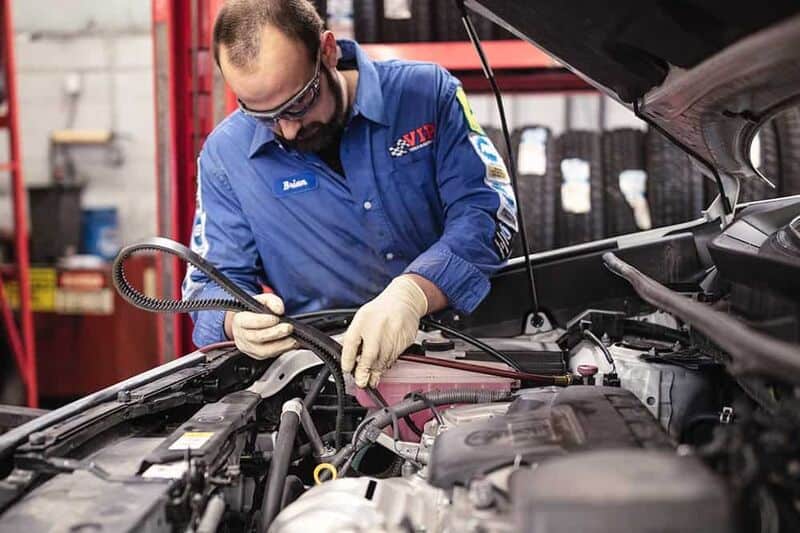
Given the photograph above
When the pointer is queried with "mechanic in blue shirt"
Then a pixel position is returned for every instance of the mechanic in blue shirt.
(340, 181)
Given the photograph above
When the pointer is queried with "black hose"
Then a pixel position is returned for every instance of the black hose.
(503, 358)
(311, 432)
(428, 322)
(751, 351)
(379, 420)
(327, 349)
(281, 458)
(316, 387)
(603, 348)
(383, 418)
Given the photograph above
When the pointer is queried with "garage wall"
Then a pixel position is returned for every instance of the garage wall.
(107, 47)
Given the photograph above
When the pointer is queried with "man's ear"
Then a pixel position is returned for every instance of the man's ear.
(330, 50)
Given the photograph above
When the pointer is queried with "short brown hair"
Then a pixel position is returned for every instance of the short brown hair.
(239, 24)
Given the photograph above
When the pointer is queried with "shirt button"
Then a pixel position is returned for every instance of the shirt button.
(389, 256)
(367, 205)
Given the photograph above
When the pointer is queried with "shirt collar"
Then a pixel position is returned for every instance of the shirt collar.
(368, 101)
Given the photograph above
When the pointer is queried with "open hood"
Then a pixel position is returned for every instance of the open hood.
(709, 72)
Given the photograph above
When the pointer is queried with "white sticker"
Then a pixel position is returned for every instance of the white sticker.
(755, 151)
(485, 149)
(191, 440)
(576, 192)
(496, 177)
(633, 185)
(167, 471)
(533, 151)
(397, 9)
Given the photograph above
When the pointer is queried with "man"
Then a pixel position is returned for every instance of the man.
(341, 181)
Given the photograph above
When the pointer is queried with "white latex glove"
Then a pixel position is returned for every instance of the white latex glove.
(383, 328)
(261, 336)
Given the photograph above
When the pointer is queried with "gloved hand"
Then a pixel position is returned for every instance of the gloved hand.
(383, 328)
(261, 336)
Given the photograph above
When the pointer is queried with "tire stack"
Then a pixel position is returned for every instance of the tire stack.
(787, 127)
(534, 153)
(580, 210)
(415, 29)
(675, 187)
(496, 136)
(623, 157)
(450, 28)
(366, 21)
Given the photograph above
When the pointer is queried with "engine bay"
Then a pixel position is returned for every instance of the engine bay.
(628, 415)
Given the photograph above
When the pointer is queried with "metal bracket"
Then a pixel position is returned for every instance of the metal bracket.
(282, 371)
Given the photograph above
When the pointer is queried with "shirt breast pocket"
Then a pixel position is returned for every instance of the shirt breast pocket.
(415, 168)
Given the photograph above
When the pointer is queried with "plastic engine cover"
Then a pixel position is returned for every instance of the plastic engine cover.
(541, 424)
(620, 491)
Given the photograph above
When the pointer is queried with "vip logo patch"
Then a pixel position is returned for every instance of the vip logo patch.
(413, 140)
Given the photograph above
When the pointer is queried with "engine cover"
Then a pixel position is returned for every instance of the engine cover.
(620, 491)
(541, 424)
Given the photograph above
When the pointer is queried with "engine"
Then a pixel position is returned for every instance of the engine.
(552, 460)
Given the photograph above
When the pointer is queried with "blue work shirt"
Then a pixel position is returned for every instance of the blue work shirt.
(423, 191)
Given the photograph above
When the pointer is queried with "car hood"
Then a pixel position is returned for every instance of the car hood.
(709, 72)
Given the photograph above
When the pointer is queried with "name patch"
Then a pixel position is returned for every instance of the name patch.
(300, 183)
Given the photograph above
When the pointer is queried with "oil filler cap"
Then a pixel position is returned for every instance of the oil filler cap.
(444, 345)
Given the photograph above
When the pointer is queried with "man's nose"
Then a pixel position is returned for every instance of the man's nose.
(289, 128)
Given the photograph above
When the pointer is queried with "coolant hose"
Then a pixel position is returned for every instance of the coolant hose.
(281, 458)
(327, 349)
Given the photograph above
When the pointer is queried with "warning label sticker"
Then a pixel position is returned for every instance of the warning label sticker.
(191, 440)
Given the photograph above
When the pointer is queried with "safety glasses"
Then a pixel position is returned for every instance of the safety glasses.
(296, 106)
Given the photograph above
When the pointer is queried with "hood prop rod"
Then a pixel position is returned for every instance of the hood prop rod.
(536, 320)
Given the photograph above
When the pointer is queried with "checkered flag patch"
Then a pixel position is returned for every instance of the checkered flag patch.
(399, 149)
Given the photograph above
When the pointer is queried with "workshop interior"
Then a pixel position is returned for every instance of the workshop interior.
(635, 366)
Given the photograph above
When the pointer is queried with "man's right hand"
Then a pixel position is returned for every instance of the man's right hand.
(260, 336)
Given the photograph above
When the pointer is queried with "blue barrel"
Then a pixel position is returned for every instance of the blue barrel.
(100, 232)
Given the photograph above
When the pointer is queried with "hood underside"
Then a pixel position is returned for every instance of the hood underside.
(709, 72)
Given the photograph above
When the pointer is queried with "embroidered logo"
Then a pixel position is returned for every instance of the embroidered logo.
(413, 140)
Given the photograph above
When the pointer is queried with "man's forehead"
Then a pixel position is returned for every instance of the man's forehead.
(281, 68)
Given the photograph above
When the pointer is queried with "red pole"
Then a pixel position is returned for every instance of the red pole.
(17, 346)
(20, 201)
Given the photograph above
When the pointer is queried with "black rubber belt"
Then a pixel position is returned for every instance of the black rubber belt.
(309, 337)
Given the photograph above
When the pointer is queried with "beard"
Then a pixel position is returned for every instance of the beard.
(317, 136)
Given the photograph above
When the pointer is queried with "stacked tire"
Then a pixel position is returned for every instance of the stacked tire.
(366, 21)
(580, 209)
(534, 154)
(450, 28)
(675, 187)
(402, 30)
(496, 136)
(373, 24)
(623, 158)
(787, 128)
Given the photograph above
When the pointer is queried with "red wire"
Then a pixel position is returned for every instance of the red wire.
(481, 369)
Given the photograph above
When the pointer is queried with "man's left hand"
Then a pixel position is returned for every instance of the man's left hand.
(383, 328)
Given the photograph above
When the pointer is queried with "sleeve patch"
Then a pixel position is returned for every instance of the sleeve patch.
(472, 121)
